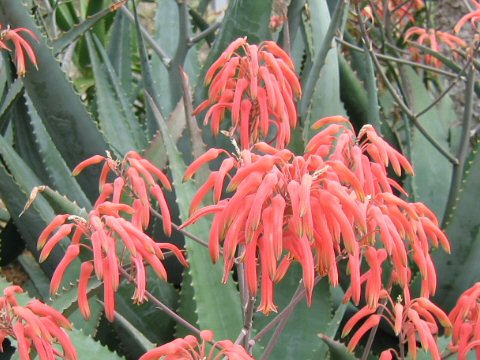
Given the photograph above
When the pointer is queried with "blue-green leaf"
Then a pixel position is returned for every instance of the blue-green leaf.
(116, 118)
(431, 183)
(62, 111)
(58, 171)
(325, 100)
(218, 306)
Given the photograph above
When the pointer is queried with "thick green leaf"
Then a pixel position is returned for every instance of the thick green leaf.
(65, 117)
(431, 182)
(68, 296)
(248, 18)
(299, 338)
(58, 171)
(116, 118)
(23, 175)
(135, 343)
(353, 94)
(65, 14)
(78, 30)
(15, 184)
(149, 320)
(459, 271)
(137, 132)
(31, 224)
(154, 151)
(89, 8)
(338, 351)
(40, 281)
(325, 100)
(372, 90)
(331, 330)
(120, 52)
(88, 348)
(187, 306)
(66, 301)
(14, 91)
(166, 35)
(24, 139)
(59, 203)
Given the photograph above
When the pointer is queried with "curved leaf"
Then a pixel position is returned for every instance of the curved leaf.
(59, 173)
(431, 183)
(116, 118)
(63, 113)
(459, 271)
(323, 100)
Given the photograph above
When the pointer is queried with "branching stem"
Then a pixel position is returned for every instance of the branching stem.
(164, 58)
(457, 173)
(399, 60)
(182, 231)
(162, 306)
(445, 152)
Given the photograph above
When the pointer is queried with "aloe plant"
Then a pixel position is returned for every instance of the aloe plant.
(96, 86)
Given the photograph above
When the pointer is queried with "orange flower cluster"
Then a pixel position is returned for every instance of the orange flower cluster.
(36, 325)
(465, 317)
(329, 204)
(433, 39)
(189, 348)
(257, 88)
(21, 47)
(107, 233)
(417, 319)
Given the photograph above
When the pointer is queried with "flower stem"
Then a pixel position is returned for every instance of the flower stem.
(457, 173)
(205, 33)
(319, 61)
(296, 298)
(162, 306)
(368, 46)
(177, 228)
(149, 39)
(398, 60)
(372, 334)
(277, 333)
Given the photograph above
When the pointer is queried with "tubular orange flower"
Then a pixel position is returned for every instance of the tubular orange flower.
(465, 317)
(36, 324)
(402, 227)
(270, 211)
(257, 88)
(433, 39)
(101, 233)
(189, 348)
(21, 47)
(335, 201)
(106, 233)
(417, 318)
(269, 175)
(139, 176)
(473, 17)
